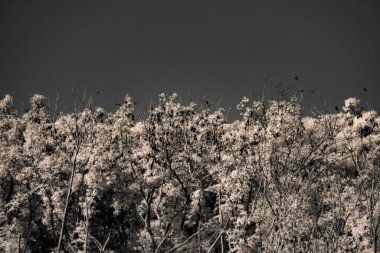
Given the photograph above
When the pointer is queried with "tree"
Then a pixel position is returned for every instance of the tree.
(185, 179)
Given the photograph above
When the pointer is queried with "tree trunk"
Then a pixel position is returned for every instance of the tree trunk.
(221, 224)
(66, 206)
(87, 227)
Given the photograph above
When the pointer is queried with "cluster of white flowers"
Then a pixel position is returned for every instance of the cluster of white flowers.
(352, 105)
(38, 101)
(6, 103)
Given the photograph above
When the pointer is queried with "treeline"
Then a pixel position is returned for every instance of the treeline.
(184, 180)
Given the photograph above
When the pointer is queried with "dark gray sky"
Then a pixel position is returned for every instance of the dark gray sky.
(220, 49)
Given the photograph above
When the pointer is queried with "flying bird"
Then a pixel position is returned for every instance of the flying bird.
(296, 78)
(97, 92)
(117, 104)
(365, 89)
(302, 90)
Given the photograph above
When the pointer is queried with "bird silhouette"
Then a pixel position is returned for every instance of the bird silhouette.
(312, 91)
(365, 89)
(296, 78)
(302, 90)
(337, 108)
(97, 92)
(117, 104)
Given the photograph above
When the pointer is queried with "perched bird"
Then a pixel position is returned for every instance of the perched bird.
(365, 89)
(296, 78)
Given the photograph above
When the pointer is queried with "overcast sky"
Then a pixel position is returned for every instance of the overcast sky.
(218, 50)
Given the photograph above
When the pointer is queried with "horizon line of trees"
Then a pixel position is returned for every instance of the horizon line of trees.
(183, 179)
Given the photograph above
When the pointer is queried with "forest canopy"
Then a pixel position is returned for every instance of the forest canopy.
(183, 179)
